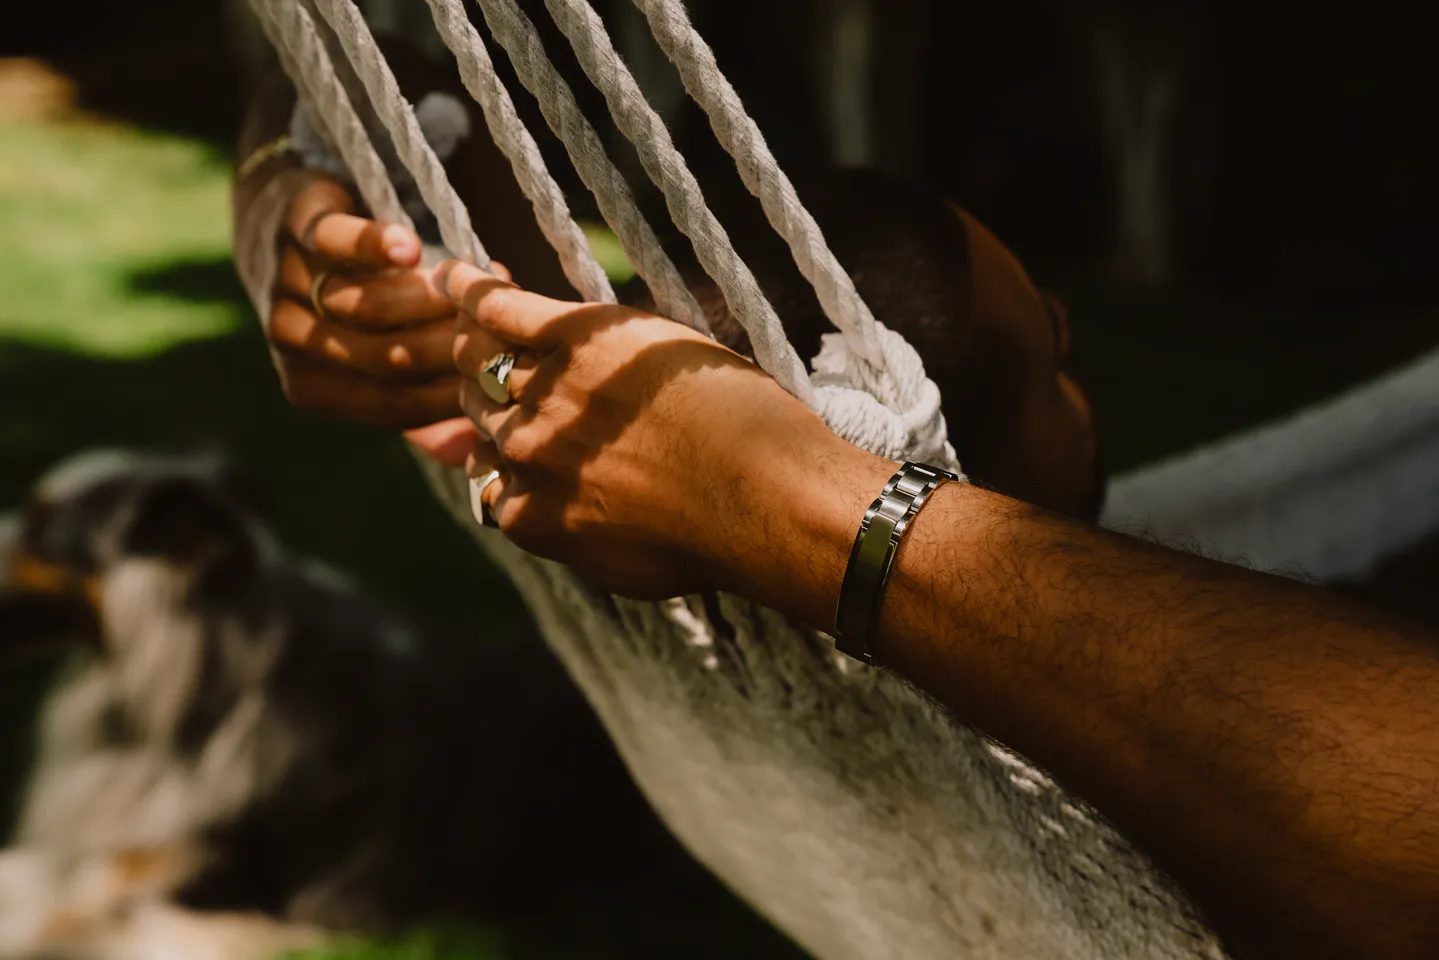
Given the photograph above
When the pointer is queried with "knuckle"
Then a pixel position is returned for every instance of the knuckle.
(500, 307)
(523, 524)
(289, 326)
(574, 520)
(544, 402)
(521, 446)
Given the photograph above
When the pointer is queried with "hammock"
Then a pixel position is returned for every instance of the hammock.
(834, 798)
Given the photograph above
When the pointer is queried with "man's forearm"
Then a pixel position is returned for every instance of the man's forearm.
(1274, 746)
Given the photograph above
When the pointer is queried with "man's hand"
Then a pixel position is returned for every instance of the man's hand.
(600, 465)
(378, 349)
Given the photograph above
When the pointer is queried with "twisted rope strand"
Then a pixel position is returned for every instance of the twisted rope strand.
(515, 32)
(399, 119)
(509, 133)
(741, 138)
(292, 32)
(638, 121)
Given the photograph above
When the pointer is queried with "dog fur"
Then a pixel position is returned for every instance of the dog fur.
(247, 732)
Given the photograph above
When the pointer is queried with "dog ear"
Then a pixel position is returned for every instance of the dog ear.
(188, 521)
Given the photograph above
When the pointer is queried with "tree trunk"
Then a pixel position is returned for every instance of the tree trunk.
(1138, 95)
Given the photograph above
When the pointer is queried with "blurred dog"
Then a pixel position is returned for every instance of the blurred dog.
(246, 731)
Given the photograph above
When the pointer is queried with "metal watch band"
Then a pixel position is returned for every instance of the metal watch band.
(872, 557)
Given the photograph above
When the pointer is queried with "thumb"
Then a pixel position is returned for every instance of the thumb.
(449, 442)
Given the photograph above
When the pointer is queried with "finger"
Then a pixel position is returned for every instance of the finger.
(449, 442)
(509, 313)
(482, 458)
(330, 392)
(486, 493)
(321, 221)
(475, 346)
(503, 498)
(474, 349)
(396, 298)
(521, 375)
(411, 355)
(493, 419)
(341, 238)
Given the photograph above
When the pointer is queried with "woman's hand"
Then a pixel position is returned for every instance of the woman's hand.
(647, 457)
(358, 331)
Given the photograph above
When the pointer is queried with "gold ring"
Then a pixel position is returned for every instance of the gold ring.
(317, 289)
(477, 499)
(494, 378)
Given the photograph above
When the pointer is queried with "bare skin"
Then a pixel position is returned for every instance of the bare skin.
(381, 353)
(1275, 747)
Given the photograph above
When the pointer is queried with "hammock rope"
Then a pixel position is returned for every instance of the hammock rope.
(669, 171)
(403, 126)
(291, 30)
(521, 41)
(891, 408)
(742, 139)
(552, 211)
(838, 801)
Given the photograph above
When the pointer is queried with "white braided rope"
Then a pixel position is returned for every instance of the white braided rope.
(399, 119)
(289, 28)
(741, 138)
(666, 166)
(514, 31)
(884, 365)
(891, 409)
(509, 133)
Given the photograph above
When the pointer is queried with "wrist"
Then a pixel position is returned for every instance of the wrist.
(800, 507)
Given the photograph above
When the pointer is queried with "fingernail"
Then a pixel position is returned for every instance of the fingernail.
(400, 244)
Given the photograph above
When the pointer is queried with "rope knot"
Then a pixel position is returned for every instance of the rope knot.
(847, 389)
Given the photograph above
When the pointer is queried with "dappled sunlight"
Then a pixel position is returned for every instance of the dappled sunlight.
(97, 217)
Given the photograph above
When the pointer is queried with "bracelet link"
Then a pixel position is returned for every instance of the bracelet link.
(872, 558)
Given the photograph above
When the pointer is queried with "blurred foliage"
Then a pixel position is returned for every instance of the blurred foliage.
(608, 251)
(140, 202)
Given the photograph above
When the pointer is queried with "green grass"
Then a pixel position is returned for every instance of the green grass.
(135, 202)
